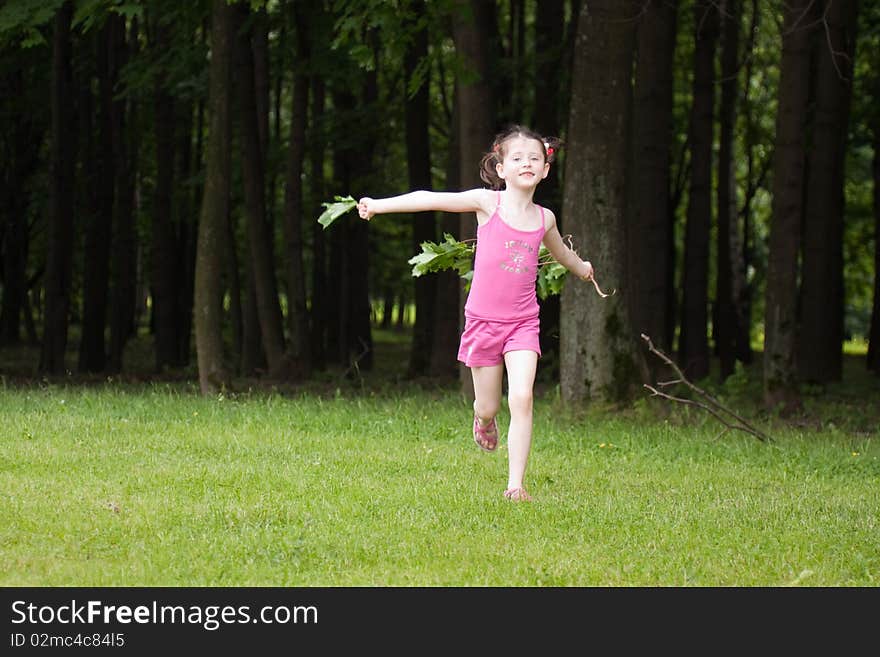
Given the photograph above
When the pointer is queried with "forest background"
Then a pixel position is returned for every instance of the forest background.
(164, 165)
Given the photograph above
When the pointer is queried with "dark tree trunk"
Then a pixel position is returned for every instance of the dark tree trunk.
(351, 336)
(187, 211)
(124, 256)
(164, 257)
(59, 259)
(96, 265)
(253, 355)
(649, 229)
(320, 284)
(756, 173)
(820, 337)
(297, 311)
(472, 28)
(188, 287)
(780, 312)
(21, 147)
(236, 295)
(600, 356)
(262, 260)
(730, 276)
(549, 52)
(260, 51)
(418, 159)
(444, 348)
(694, 344)
(208, 312)
(874, 332)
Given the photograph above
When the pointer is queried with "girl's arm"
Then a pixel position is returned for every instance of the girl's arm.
(564, 255)
(472, 200)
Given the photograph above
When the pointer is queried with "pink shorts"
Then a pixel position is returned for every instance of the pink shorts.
(484, 343)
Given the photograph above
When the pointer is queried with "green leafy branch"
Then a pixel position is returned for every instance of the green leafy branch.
(451, 253)
(459, 255)
(332, 211)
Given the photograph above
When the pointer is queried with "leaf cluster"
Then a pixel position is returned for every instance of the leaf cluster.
(459, 255)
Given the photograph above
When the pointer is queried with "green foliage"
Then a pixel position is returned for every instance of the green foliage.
(335, 210)
(453, 254)
(21, 20)
(551, 275)
(448, 254)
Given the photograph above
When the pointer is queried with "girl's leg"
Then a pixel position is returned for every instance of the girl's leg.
(521, 368)
(487, 392)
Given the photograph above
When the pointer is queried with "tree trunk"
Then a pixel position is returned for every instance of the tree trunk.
(820, 337)
(873, 361)
(208, 312)
(164, 258)
(780, 313)
(187, 211)
(124, 257)
(600, 355)
(353, 162)
(730, 273)
(444, 348)
(694, 344)
(59, 259)
(297, 309)
(262, 260)
(320, 284)
(22, 146)
(756, 171)
(96, 265)
(549, 52)
(472, 28)
(649, 231)
(418, 159)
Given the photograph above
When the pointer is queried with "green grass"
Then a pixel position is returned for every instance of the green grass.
(374, 483)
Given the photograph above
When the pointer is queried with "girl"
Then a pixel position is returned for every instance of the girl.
(501, 314)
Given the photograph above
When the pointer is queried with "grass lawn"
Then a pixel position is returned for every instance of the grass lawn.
(377, 482)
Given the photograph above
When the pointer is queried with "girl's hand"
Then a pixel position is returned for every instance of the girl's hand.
(365, 209)
(588, 272)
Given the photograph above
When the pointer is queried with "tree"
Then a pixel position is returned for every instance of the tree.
(59, 259)
(649, 228)
(20, 145)
(164, 257)
(262, 261)
(600, 357)
(297, 314)
(208, 312)
(124, 256)
(780, 312)
(820, 337)
(729, 313)
(418, 162)
(694, 346)
(471, 28)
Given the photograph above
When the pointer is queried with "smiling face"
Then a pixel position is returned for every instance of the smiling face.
(523, 162)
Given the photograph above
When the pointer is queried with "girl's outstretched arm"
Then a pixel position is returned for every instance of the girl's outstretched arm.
(472, 200)
(564, 255)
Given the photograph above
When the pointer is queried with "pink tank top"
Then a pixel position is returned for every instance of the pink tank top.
(505, 271)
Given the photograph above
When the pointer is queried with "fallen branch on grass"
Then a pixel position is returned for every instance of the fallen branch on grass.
(711, 405)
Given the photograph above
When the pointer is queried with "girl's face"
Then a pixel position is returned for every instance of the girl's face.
(523, 164)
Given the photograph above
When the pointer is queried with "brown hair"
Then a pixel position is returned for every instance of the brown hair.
(489, 174)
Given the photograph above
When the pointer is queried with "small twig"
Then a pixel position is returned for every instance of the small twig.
(714, 407)
(355, 361)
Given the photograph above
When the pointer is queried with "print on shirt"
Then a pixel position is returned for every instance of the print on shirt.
(516, 255)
